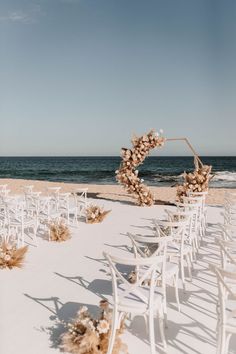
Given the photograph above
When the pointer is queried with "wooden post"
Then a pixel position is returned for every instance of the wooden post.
(190, 146)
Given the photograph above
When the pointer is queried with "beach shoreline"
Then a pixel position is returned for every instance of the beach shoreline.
(114, 192)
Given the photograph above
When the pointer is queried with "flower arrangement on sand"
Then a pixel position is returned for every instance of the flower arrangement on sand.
(59, 231)
(95, 214)
(11, 256)
(197, 181)
(87, 335)
(127, 175)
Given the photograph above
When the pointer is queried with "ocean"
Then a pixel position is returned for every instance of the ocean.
(156, 170)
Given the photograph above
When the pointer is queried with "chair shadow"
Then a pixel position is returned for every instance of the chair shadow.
(61, 314)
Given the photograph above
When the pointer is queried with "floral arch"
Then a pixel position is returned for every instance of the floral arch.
(127, 175)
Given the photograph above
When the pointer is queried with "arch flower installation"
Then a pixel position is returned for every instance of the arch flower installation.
(127, 175)
(196, 181)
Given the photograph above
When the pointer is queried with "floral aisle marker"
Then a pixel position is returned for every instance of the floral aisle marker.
(58, 231)
(127, 175)
(95, 214)
(11, 256)
(87, 335)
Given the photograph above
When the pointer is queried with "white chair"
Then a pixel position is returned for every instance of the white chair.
(191, 228)
(226, 308)
(203, 195)
(149, 246)
(136, 298)
(179, 247)
(199, 204)
(18, 221)
(80, 203)
(28, 189)
(228, 254)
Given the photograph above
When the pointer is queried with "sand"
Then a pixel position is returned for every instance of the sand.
(58, 278)
(112, 192)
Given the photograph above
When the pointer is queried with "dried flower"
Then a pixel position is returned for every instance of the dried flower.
(103, 326)
(95, 214)
(11, 256)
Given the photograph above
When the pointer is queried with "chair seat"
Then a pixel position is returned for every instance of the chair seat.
(137, 302)
(26, 222)
(175, 249)
(171, 269)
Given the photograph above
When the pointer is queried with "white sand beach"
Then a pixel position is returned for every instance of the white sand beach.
(58, 278)
(111, 192)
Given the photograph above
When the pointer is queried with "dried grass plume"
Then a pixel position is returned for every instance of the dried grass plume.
(95, 214)
(88, 335)
(11, 256)
(59, 231)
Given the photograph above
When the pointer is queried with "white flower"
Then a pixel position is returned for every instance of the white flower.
(90, 325)
(85, 322)
(157, 134)
(103, 326)
(7, 258)
(82, 310)
(161, 131)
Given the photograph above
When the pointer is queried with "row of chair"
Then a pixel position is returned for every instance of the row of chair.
(34, 210)
(226, 275)
(140, 280)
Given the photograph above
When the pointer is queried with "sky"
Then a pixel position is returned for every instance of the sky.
(80, 77)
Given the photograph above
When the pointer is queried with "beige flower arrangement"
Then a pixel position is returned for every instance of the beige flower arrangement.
(197, 181)
(11, 256)
(87, 335)
(127, 175)
(95, 214)
(59, 231)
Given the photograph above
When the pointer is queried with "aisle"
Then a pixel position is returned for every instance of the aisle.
(59, 278)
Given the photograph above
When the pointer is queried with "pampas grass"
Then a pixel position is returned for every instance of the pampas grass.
(59, 231)
(11, 256)
(95, 214)
(127, 175)
(87, 335)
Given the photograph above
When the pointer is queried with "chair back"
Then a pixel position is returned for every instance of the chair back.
(227, 252)
(226, 288)
(146, 272)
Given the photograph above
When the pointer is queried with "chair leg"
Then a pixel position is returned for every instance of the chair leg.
(151, 332)
(176, 278)
(115, 319)
(223, 341)
(188, 260)
(162, 332)
(182, 272)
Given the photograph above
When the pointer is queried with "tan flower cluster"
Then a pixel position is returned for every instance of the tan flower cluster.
(11, 256)
(127, 175)
(198, 181)
(87, 335)
(59, 231)
(95, 214)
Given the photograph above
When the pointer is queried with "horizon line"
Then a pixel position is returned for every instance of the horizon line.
(6, 156)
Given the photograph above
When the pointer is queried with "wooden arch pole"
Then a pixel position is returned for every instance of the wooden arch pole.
(191, 148)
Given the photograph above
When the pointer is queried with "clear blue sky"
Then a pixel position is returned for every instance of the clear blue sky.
(78, 77)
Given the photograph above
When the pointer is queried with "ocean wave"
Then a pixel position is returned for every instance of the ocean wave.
(225, 176)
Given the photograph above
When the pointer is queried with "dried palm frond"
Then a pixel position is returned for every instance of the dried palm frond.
(95, 214)
(127, 175)
(11, 256)
(59, 231)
